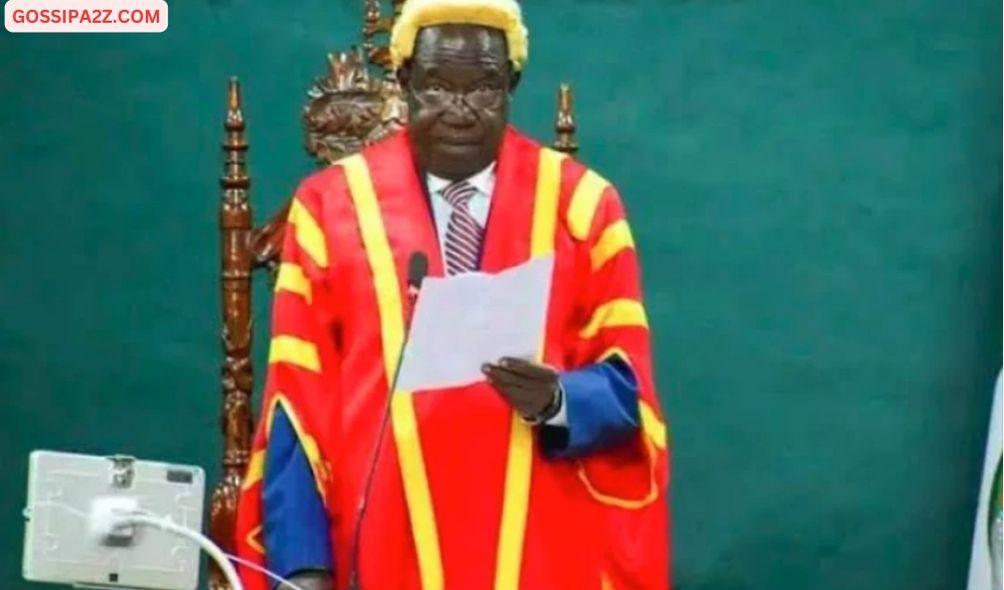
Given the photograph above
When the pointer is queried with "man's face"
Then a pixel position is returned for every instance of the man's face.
(457, 83)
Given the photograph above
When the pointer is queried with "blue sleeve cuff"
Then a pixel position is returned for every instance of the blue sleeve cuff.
(601, 401)
(295, 522)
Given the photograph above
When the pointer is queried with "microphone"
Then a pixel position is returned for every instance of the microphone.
(418, 268)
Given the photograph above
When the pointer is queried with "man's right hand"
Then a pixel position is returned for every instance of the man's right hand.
(310, 581)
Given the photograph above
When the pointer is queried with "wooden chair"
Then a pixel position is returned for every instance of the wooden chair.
(356, 103)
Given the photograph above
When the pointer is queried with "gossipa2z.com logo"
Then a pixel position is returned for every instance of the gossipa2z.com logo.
(85, 16)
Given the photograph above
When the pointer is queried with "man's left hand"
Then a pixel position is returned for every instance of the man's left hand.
(529, 387)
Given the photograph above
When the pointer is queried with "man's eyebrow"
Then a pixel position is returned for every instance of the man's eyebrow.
(490, 74)
(492, 66)
(431, 69)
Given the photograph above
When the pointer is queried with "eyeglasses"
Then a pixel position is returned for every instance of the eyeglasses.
(486, 95)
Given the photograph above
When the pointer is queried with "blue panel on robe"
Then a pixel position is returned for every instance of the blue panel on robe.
(602, 409)
(295, 521)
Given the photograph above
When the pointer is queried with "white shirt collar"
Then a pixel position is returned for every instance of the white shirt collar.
(484, 181)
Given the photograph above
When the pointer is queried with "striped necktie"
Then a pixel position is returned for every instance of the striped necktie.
(463, 234)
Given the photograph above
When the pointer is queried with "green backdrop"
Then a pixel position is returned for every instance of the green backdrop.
(815, 188)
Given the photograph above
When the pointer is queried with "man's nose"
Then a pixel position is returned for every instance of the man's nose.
(459, 112)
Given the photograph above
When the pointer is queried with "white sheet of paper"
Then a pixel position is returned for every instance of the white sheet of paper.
(464, 321)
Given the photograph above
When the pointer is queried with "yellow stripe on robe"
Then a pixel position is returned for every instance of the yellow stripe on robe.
(386, 286)
(292, 279)
(404, 422)
(519, 460)
(294, 351)
(615, 238)
(605, 583)
(255, 470)
(418, 495)
(652, 425)
(308, 233)
(545, 203)
(585, 200)
(253, 540)
(616, 313)
(626, 503)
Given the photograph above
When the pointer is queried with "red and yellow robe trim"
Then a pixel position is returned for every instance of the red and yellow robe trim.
(568, 201)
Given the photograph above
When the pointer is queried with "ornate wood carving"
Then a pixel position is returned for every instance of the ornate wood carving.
(235, 290)
(564, 124)
(349, 108)
(375, 24)
(266, 241)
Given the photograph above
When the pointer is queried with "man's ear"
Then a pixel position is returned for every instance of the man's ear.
(514, 77)
(404, 75)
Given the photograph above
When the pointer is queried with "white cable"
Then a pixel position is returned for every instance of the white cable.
(250, 564)
(262, 570)
(208, 546)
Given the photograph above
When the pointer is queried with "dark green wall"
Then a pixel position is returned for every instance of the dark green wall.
(815, 188)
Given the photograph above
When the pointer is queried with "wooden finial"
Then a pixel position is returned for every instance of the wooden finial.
(371, 21)
(235, 291)
(235, 144)
(233, 95)
(374, 24)
(565, 122)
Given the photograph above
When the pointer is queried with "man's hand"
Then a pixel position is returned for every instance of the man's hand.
(529, 387)
(312, 580)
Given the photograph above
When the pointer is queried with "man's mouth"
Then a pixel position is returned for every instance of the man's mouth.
(457, 139)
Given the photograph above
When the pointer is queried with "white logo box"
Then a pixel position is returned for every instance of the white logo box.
(85, 16)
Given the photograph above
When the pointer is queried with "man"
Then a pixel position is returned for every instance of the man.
(547, 474)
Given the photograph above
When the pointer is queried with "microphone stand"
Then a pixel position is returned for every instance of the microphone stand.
(418, 267)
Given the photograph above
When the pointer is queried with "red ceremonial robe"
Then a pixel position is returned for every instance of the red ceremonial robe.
(462, 497)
